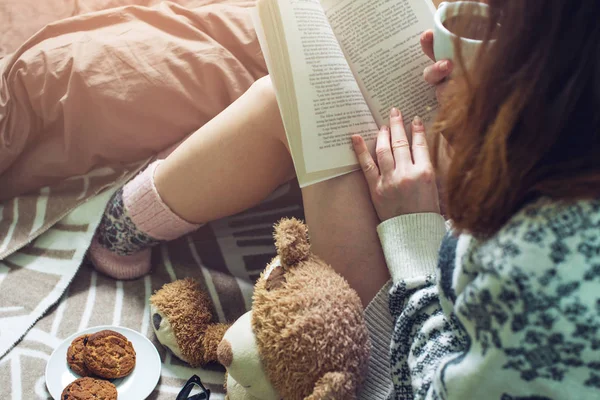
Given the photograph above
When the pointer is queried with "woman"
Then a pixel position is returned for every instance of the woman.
(509, 309)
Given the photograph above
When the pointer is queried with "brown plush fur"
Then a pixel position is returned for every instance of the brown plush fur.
(225, 385)
(212, 337)
(182, 301)
(291, 241)
(334, 386)
(308, 323)
(310, 326)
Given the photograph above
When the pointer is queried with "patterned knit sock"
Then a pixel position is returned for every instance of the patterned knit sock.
(135, 220)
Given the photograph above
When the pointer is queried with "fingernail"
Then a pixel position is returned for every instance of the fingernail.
(355, 140)
(417, 121)
(385, 128)
(395, 113)
(444, 66)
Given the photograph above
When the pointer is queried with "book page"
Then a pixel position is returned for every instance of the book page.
(331, 106)
(380, 39)
(266, 19)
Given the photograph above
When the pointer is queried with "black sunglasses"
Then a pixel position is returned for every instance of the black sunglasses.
(184, 394)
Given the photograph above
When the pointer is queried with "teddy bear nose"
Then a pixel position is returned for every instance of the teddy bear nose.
(224, 353)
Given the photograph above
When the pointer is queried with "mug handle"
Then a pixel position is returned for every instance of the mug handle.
(442, 4)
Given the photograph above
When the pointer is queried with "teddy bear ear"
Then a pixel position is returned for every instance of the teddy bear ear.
(334, 385)
(291, 240)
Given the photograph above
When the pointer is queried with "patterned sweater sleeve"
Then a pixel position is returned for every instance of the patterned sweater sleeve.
(421, 332)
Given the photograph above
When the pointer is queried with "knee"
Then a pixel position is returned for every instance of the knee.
(264, 97)
(264, 87)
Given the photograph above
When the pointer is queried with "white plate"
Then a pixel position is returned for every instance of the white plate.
(135, 386)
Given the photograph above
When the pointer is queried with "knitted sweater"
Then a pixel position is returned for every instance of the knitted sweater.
(514, 317)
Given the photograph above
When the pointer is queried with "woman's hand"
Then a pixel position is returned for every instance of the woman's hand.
(402, 181)
(438, 73)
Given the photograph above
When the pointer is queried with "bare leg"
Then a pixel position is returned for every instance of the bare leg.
(231, 163)
(343, 231)
(241, 156)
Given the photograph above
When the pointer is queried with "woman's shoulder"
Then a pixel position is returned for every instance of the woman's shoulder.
(559, 219)
(545, 245)
(548, 248)
(530, 293)
(559, 231)
(540, 241)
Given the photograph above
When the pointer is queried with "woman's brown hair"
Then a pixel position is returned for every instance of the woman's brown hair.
(525, 121)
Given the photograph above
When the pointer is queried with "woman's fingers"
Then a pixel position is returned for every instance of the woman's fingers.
(365, 160)
(420, 150)
(427, 44)
(400, 145)
(436, 73)
(385, 158)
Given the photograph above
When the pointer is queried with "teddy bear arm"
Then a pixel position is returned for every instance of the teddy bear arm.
(213, 336)
(334, 385)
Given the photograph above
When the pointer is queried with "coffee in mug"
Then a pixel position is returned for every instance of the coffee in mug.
(468, 26)
(465, 21)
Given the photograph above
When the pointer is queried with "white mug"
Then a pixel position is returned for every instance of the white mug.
(443, 39)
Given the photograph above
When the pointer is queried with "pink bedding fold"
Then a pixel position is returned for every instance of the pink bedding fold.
(117, 86)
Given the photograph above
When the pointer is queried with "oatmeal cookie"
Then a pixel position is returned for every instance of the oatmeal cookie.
(89, 389)
(108, 354)
(75, 356)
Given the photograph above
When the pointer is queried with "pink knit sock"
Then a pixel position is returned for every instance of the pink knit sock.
(135, 220)
(120, 267)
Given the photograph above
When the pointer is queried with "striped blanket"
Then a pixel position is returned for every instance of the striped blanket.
(34, 278)
(83, 92)
(43, 239)
(48, 290)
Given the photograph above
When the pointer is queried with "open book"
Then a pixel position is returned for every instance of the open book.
(338, 67)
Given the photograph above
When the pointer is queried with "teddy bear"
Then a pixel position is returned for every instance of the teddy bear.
(304, 338)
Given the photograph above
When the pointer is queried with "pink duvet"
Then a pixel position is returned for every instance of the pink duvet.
(114, 86)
